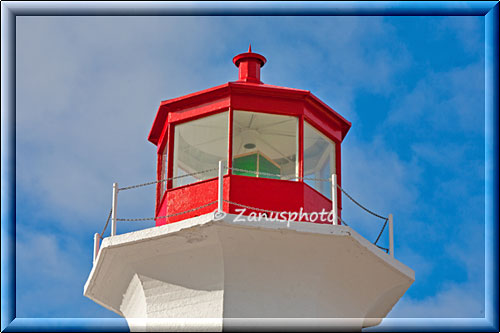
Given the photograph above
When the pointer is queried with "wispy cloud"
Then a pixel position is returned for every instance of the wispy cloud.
(380, 180)
(466, 30)
(58, 266)
(454, 301)
(450, 101)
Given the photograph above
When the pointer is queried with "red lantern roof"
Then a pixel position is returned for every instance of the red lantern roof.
(249, 64)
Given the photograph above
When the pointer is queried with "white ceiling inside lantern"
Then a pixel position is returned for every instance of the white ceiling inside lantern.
(273, 135)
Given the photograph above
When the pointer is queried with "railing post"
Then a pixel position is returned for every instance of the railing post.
(391, 236)
(97, 239)
(220, 188)
(334, 199)
(113, 211)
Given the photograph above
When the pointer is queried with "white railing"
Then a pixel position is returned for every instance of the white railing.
(114, 204)
(97, 240)
(334, 199)
(220, 206)
(391, 236)
(220, 189)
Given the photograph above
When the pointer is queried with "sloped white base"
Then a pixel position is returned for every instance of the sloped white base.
(200, 274)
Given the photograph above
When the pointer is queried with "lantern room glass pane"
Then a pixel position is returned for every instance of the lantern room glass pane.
(265, 145)
(198, 146)
(319, 159)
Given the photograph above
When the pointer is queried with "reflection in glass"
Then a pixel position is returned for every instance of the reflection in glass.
(265, 145)
(319, 159)
(198, 146)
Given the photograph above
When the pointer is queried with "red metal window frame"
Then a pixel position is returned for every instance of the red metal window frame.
(168, 138)
(307, 112)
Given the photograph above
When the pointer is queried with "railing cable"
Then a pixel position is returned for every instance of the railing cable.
(312, 179)
(166, 179)
(106, 225)
(360, 205)
(252, 208)
(381, 231)
(382, 248)
(167, 216)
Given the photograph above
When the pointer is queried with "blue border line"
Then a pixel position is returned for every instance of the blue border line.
(10, 10)
(68, 325)
(8, 174)
(238, 8)
(491, 166)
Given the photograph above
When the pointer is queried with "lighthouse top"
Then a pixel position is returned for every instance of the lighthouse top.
(270, 138)
(223, 155)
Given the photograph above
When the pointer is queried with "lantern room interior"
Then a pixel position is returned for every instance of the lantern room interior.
(276, 144)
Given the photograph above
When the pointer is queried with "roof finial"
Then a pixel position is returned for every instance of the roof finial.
(249, 65)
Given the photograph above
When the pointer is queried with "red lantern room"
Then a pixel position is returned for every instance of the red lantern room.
(273, 142)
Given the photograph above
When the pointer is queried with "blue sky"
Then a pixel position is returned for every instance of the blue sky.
(88, 89)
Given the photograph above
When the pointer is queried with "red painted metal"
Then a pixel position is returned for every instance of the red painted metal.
(251, 97)
(263, 193)
(170, 158)
(188, 197)
(159, 171)
(230, 144)
(158, 185)
(199, 111)
(247, 94)
(249, 65)
(315, 201)
(301, 147)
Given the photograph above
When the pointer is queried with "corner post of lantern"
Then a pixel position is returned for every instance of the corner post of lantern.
(97, 239)
(220, 188)
(391, 236)
(334, 200)
(113, 209)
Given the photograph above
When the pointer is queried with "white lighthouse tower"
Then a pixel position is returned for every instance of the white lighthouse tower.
(249, 227)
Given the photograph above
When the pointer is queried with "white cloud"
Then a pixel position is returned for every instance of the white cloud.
(467, 30)
(88, 90)
(454, 301)
(378, 179)
(51, 271)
